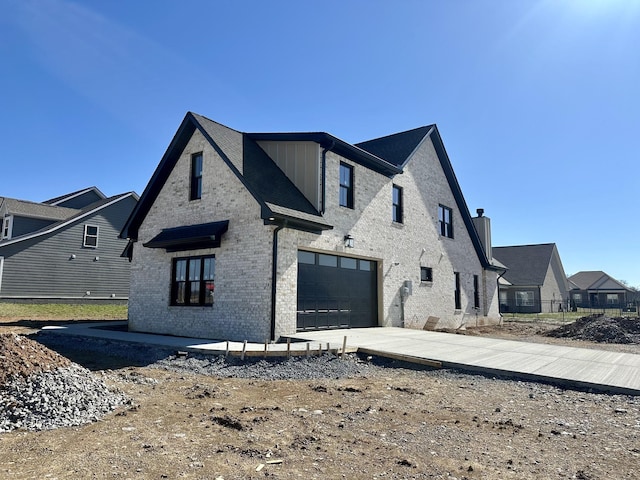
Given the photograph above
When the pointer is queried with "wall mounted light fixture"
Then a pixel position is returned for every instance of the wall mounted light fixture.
(348, 241)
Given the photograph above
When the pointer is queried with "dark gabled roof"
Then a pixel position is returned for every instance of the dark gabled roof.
(595, 280)
(281, 202)
(77, 215)
(62, 198)
(528, 264)
(397, 148)
(279, 199)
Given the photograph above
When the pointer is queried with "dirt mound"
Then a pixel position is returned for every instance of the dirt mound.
(600, 328)
(22, 357)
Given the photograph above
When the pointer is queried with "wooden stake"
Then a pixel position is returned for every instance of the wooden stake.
(265, 349)
(308, 348)
(244, 349)
(288, 347)
(344, 346)
(227, 352)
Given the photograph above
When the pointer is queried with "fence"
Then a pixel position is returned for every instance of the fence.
(565, 309)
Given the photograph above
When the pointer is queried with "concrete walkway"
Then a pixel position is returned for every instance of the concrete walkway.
(578, 367)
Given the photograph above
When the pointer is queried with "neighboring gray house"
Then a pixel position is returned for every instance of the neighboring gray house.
(596, 289)
(65, 249)
(535, 281)
(257, 235)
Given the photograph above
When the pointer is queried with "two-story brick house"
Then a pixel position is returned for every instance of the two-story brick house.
(256, 235)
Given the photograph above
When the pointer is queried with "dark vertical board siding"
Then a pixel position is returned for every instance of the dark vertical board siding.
(24, 225)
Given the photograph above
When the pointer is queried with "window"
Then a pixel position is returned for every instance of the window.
(397, 204)
(90, 236)
(196, 176)
(346, 185)
(445, 220)
(7, 226)
(524, 299)
(476, 292)
(612, 299)
(192, 281)
(426, 274)
(457, 291)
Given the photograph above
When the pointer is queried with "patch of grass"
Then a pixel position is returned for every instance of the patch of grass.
(61, 311)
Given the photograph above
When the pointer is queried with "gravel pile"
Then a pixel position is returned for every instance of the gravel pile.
(42, 390)
(600, 328)
(294, 368)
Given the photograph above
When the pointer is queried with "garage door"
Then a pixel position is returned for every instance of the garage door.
(336, 292)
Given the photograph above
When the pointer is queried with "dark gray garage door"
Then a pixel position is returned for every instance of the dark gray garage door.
(336, 292)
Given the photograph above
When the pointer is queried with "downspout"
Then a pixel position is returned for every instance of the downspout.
(498, 288)
(274, 276)
(324, 172)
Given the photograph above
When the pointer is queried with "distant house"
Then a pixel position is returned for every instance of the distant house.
(65, 249)
(596, 289)
(257, 235)
(535, 281)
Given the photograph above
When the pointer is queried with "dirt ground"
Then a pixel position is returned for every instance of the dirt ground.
(398, 423)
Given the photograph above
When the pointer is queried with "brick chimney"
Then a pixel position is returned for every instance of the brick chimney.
(483, 227)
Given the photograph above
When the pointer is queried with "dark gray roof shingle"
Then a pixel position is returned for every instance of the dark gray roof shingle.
(527, 264)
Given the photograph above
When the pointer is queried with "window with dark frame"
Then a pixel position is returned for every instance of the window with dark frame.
(445, 220)
(192, 281)
(476, 291)
(397, 204)
(426, 274)
(90, 238)
(457, 293)
(346, 185)
(196, 176)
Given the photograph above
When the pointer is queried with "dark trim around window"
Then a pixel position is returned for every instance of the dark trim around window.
(458, 297)
(346, 185)
(192, 281)
(426, 274)
(196, 177)
(397, 202)
(445, 221)
(476, 291)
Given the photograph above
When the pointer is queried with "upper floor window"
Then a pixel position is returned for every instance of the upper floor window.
(445, 220)
(196, 176)
(346, 185)
(7, 226)
(192, 281)
(90, 236)
(397, 204)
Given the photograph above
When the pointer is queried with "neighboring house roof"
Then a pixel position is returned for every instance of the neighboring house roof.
(280, 200)
(77, 215)
(528, 264)
(595, 280)
(68, 196)
(24, 208)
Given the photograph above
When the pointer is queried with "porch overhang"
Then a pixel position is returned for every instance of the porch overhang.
(190, 237)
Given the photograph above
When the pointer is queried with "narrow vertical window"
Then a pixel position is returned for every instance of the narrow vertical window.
(7, 225)
(346, 185)
(397, 204)
(445, 221)
(90, 236)
(196, 176)
(476, 291)
(457, 294)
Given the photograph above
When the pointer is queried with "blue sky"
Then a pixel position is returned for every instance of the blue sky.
(537, 101)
